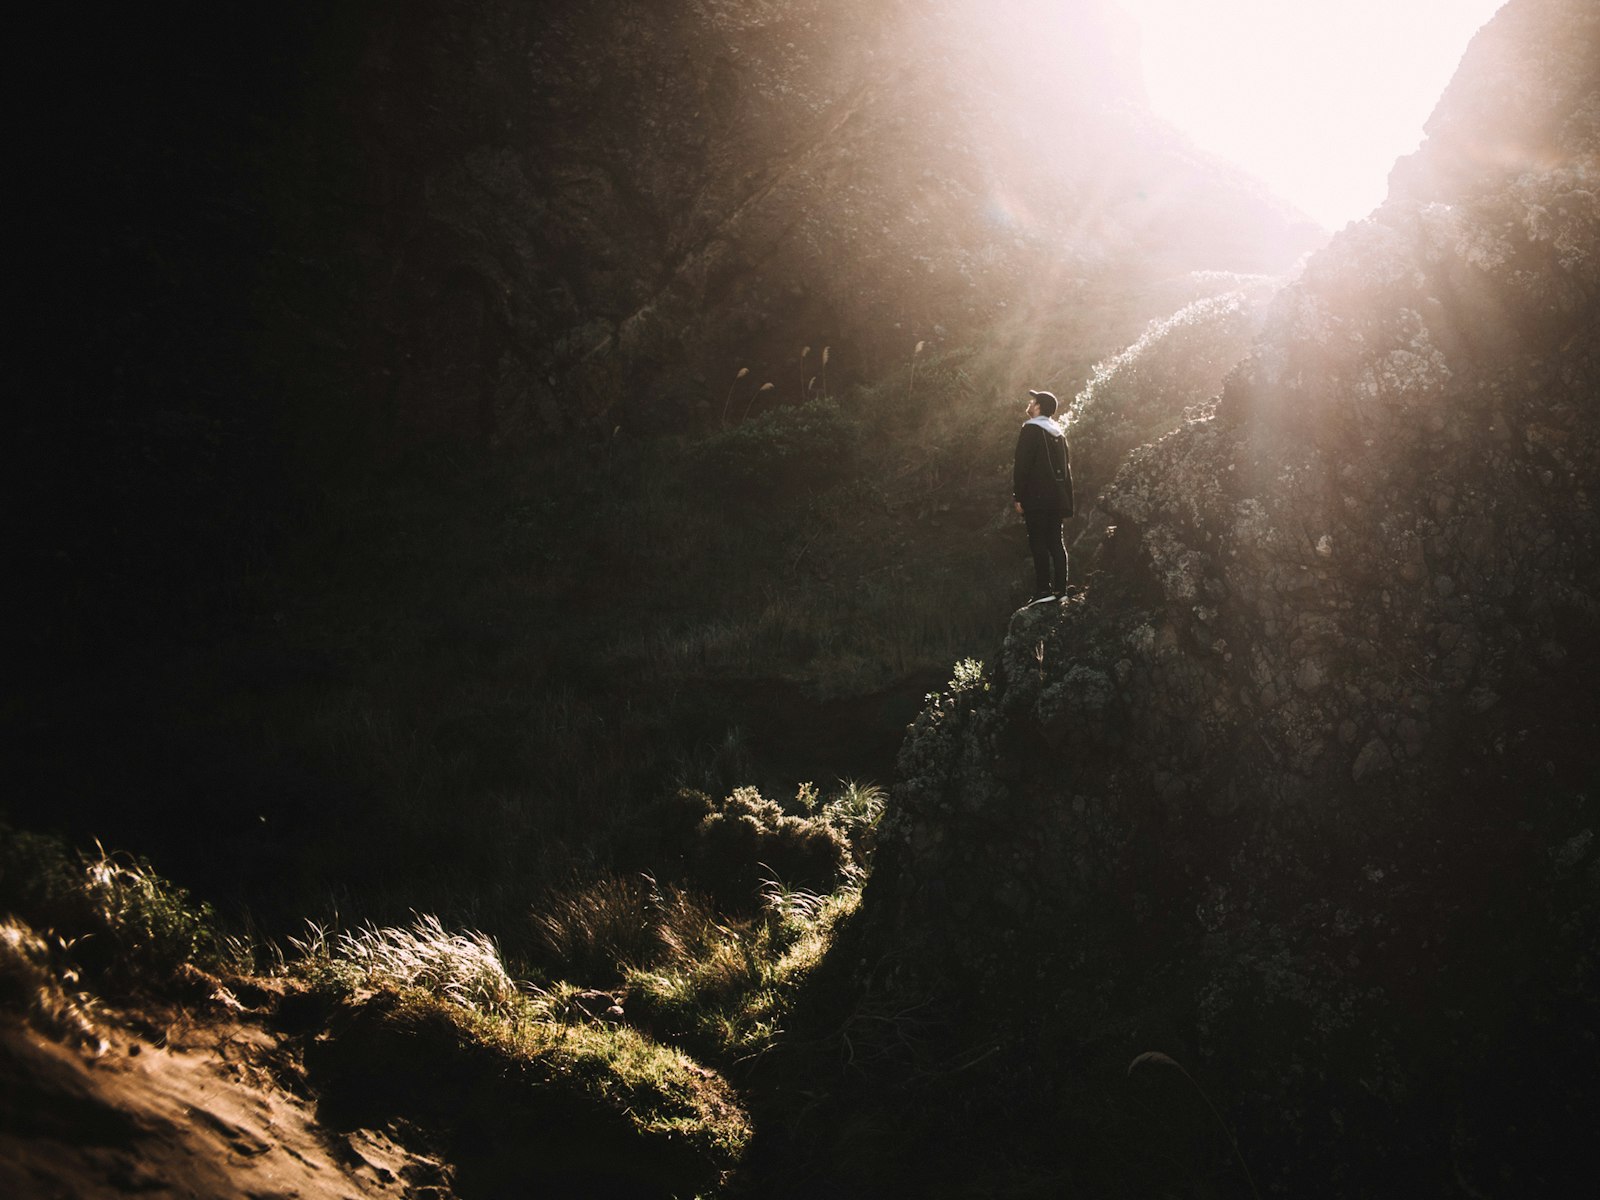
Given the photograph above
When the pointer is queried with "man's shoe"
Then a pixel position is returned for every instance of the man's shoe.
(1041, 598)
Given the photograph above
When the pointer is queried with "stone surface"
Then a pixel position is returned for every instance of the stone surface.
(1296, 774)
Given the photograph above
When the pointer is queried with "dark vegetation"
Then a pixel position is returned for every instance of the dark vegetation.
(452, 673)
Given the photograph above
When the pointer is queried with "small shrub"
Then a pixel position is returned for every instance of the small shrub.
(122, 920)
(746, 838)
(732, 846)
(807, 798)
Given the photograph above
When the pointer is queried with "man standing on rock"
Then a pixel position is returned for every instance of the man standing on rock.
(1041, 489)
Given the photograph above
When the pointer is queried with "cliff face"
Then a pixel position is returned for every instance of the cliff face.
(1302, 792)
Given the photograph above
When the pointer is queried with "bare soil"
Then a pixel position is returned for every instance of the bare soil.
(208, 1104)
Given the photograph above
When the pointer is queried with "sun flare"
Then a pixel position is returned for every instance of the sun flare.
(1316, 97)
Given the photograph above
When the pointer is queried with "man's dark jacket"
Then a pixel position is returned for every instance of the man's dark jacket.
(1042, 475)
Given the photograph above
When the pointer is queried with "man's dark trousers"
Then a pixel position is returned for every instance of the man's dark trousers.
(1049, 547)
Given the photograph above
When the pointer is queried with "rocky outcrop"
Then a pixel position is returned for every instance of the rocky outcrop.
(1303, 791)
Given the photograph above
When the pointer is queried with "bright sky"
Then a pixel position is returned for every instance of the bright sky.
(1316, 97)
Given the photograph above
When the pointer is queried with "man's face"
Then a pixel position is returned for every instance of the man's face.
(1033, 407)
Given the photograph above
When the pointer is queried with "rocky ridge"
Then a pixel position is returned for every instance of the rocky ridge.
(1303, 790)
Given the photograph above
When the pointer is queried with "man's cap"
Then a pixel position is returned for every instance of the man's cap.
(1047, 402)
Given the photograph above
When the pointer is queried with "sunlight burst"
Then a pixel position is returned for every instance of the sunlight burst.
(1316, 97)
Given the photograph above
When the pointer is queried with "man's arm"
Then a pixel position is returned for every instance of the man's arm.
(1066, 458)
(1021, 461)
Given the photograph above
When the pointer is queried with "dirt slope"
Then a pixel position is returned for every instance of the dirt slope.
(184, 1105)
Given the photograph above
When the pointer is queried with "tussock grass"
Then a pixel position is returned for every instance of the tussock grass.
(714, 974)
(606, 930)
(463, 968)
(856, 809)
(728, 996)
(595, 928)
